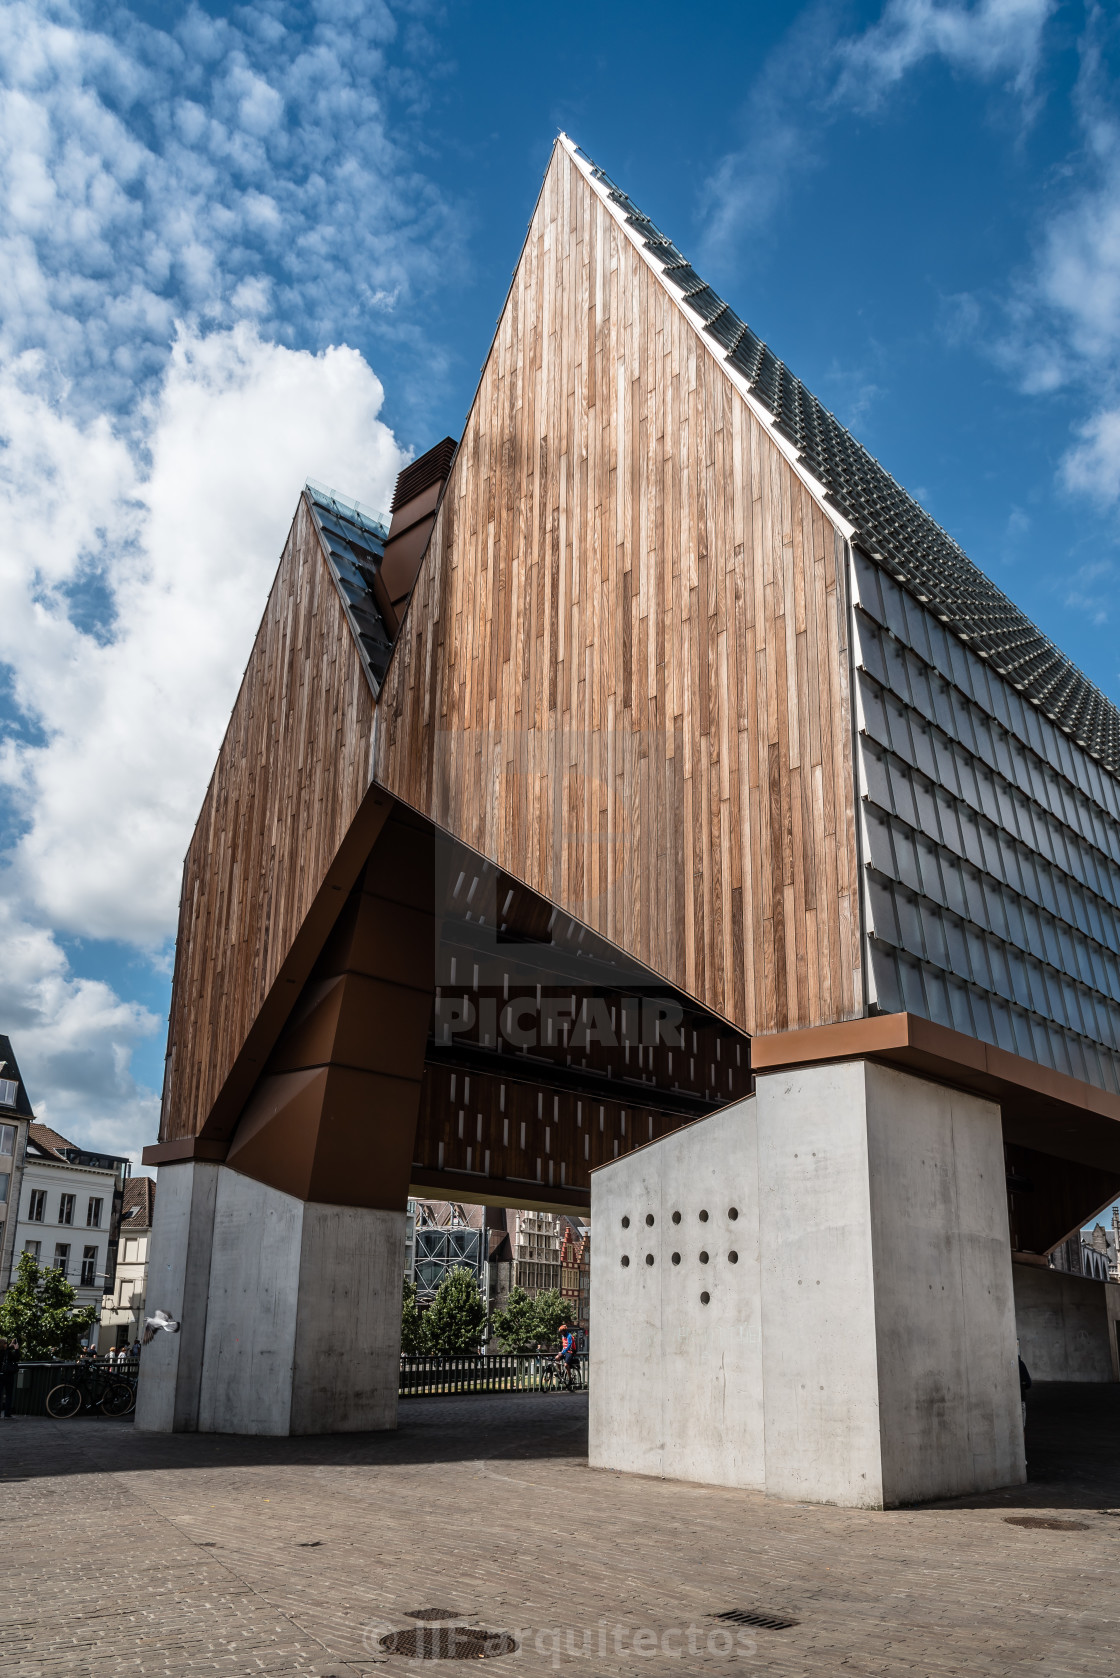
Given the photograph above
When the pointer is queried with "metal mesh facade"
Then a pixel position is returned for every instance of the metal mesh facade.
(992, 847)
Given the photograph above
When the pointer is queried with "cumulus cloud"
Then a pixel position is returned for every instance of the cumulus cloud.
(130, 719)
(194, 221)
(74, 1038)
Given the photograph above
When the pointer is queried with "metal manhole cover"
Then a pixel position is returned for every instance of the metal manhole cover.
(758, 1617)
(1050, 1523)
(448, 1643)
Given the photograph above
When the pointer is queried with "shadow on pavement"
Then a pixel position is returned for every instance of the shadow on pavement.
(1073, 1444)
(436, 1430)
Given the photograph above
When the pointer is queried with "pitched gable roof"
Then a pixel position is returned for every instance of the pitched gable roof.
(887, 522)
(139, 1203)
(353, 539)
(18, 1101)
(49, 1140)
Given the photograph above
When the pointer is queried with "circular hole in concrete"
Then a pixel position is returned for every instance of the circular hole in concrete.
(703, 1258)
(649, 1258)
(448, 1643)
(732, 1258)
(649, 1219)
(626, 1223)
(705, 1298)
(1048, 1522)
(676, 1258)
(733, 1212)
(625, 1260)
(703, 1217)
(676, 1217)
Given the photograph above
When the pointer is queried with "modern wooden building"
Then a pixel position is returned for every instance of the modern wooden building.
(658, 744)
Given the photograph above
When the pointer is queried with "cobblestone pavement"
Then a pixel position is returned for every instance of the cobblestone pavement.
(124, 1553)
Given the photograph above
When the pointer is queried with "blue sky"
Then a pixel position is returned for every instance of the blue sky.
(244, 245)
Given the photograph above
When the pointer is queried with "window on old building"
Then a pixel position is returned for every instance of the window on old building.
(7, 1140)
(93, 1213)
(34, 1248)
(9, 1089)
(66, 1208)
(37, 1206)
(89, 1266)
(62, 1256)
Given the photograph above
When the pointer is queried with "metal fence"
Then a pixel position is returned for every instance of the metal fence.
(502, 1372)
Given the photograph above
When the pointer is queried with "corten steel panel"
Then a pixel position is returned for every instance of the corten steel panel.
(285, 797)
(623, 671)
(992, 849)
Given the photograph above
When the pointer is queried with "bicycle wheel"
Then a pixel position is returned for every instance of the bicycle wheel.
(64, 1401)
(548, 1378)
(118, 1399)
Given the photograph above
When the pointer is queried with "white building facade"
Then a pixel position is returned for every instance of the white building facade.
(69, 1207)
(123, 1307)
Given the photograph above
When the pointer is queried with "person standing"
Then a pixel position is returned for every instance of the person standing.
(9, 1367)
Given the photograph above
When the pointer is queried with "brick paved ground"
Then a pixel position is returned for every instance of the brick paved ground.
(129, 1554)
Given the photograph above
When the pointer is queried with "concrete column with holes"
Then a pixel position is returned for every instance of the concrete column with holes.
(290, 1310)
(810, 1293)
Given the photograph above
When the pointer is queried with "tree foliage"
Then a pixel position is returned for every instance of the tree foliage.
(454, 1325)
(526, 1323)
(515, 1328)
(551, 1312)
(411, 1323)
(38, 1310)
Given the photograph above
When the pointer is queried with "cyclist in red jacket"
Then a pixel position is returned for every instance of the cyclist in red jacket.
(567, 1353)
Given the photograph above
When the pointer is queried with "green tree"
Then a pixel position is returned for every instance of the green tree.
(412, 1330)
(516, 1328)
(454, 1324)
(38, 1310)
(551, 1312)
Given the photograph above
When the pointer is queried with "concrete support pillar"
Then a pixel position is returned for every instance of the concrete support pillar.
(826, 1269)
(290, 1310)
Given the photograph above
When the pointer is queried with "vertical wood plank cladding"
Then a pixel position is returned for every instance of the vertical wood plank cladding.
(290, 776)
(623, 675)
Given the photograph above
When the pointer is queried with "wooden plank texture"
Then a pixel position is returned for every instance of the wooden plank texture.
(623, 675)
(287, 786)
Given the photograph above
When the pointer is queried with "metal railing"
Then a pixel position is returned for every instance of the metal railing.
(419, 1377)
(499, 1372)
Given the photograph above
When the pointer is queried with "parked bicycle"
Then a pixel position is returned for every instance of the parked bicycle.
(91, 1388)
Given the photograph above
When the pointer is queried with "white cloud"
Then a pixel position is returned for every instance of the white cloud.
(1093, 466)
(988, 40)
(185, 552)
(1061, 319)
(815, 77)
(73, 1038)
(192, 222)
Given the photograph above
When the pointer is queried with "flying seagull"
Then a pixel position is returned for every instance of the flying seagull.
(160, 1320)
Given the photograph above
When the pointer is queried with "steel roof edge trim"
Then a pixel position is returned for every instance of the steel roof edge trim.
(1045, 675)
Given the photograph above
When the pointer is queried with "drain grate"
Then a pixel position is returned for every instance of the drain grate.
(1049, 1522)
(433, 1614)
(448, 1643)
(758, 1617)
